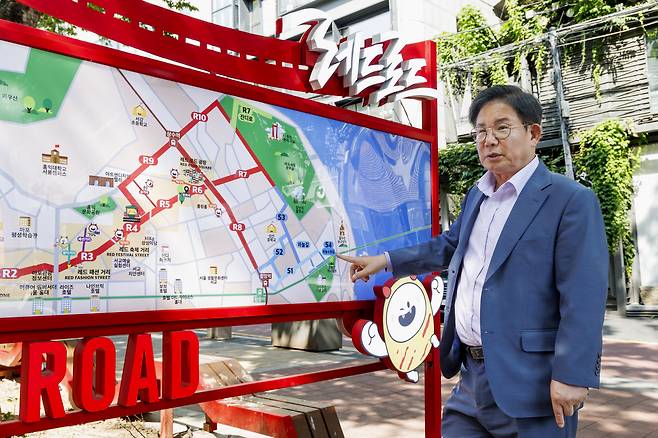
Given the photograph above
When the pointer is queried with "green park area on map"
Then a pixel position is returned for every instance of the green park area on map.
(285, 159)
(104, 205)
(320, 279)
(38, 93)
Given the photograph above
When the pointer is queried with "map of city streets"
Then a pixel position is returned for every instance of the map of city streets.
(123, 192)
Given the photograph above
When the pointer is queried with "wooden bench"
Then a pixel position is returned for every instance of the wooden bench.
(10, 359)
(264, 413)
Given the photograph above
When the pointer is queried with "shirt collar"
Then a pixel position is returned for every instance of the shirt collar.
(487, 182)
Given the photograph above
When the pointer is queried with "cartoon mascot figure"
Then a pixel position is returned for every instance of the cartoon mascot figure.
(402, 333)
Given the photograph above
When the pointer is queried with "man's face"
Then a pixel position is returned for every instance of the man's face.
(507, 156)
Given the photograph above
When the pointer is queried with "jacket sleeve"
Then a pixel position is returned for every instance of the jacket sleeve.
(430, 256)
(581, 278)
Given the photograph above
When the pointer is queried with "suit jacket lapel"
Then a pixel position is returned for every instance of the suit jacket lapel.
(470, 213)
(526, 207)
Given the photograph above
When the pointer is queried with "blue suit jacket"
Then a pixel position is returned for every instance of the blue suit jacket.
(543, 298)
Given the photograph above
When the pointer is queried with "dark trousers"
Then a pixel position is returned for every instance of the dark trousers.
(471, 412)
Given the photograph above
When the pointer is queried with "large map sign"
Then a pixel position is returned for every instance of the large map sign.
(120, 191)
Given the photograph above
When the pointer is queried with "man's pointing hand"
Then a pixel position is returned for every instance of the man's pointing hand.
(363, 267)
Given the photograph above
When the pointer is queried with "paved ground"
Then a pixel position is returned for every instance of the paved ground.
(381, 405)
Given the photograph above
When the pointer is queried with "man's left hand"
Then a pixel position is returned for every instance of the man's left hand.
(566, 399)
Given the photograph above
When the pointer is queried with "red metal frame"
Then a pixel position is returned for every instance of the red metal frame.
(26, 329)
(433, 364)
(18, 428)
(216, 49)
(45, 328)
(39, 39)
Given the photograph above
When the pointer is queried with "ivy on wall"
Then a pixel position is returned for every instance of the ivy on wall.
(523, 21)
(474, 36)
(606, 161)
(460, 166)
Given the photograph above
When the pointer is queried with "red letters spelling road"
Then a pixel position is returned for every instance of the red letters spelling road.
(157, 208)
(93, 387)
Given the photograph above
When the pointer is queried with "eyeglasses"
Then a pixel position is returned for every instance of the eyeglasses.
(500, 132)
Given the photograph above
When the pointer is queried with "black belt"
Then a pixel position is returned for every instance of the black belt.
(476, 353)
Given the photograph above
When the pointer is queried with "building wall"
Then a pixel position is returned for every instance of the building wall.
(646, 215)
(425, 19)
(623, 87)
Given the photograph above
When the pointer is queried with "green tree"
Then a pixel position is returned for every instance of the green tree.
(472, 37)
(18, 13)
(48, 105)
(606, 161)
(522, 21)
(29, 103)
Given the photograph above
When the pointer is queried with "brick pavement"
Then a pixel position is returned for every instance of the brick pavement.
(381, 405)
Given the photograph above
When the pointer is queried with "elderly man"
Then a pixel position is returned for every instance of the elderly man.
(527, 262)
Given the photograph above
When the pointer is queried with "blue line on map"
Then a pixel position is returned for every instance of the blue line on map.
(84, 240)
(270, 262)
(285, 229)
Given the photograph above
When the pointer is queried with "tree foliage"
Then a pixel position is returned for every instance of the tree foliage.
(605, 157)
(523, 20)
(29, 103)
(606, 161)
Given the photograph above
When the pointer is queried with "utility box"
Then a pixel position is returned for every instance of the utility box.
(314, 335)
(219, 333)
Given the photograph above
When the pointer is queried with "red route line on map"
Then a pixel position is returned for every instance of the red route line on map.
(229, 178)
(145, 217)
(147, 196)
(244, 142)
(211, 184)
(123, 187)
(220, 198)
(107, 245)
(99, 250)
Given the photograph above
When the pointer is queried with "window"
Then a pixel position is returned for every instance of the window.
(223, 17)
(286, 6)
(223, 13)
(652, 68)
(219, 4)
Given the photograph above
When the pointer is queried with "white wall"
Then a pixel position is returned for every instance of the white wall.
(420, 20)
(425, 19)
(646, 215)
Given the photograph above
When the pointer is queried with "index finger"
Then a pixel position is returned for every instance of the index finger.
(558, 412)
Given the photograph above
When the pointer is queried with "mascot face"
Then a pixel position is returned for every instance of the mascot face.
(408, 323)
(402, 332)
(406, 312)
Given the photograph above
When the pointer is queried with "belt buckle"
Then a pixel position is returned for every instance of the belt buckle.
(476, 353)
